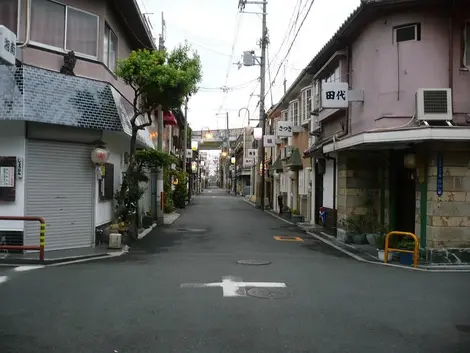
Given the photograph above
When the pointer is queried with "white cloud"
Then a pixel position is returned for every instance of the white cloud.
(210, 26)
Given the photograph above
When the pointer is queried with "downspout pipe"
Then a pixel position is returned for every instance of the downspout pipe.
(28, 25)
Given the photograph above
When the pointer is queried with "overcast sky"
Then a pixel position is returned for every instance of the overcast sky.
(210, 26)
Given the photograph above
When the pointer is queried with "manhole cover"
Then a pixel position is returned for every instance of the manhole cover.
(193, 230)
(253, 262)
(270, 293)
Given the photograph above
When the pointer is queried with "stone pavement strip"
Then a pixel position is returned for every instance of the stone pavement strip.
(359, 255)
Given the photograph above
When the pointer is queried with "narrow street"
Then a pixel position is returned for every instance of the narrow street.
(179, 291)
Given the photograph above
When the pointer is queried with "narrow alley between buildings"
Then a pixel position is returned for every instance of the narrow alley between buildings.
(189, 288)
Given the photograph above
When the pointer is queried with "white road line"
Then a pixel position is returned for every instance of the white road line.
(3, 279)
(234, 286)
(28, 268)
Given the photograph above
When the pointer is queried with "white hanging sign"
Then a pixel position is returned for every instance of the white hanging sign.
(248, 162)
(189, 153)
(269, 141)
(252, 153)
(284, 129)
(7, 45)
(334, 95)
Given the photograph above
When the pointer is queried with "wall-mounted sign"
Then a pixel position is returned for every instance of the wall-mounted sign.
(440, 175)
(284, 129)
(189, 153)
(248, 162)
(19, 167)
(269, 141)
(334, 95)
(251, 153)
(7, 45)
(7, 177)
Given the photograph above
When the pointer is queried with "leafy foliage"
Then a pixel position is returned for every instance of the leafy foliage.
(159, 79)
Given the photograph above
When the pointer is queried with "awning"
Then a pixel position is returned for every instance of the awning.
(277, 165)
(295, 160)
(169, 119)
(380, 138)
(314, 151)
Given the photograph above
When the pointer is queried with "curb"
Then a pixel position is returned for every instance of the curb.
(442, 268)
(60, 261)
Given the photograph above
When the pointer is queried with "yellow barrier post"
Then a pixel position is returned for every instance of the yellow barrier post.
(415, 251)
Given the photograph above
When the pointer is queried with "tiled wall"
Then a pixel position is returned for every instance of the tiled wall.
(448, 216)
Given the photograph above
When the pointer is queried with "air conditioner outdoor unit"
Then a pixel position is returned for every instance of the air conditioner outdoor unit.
(434, 104)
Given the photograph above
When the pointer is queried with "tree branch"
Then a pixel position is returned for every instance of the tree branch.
(149, 122)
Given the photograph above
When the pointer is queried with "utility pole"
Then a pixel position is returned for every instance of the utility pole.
(185, 146)
(227, 159)
(160, 189)
(262, 115)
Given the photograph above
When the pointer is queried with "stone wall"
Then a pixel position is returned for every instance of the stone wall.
(448, 216)
(360, 177)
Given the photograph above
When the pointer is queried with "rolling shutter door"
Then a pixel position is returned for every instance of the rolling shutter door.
(59, 188)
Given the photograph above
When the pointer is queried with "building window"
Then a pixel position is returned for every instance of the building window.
(9, 14)
(285, 115)
(63, 27)
(466, 52)
(294, 112)
(333, 76)
(306, 104)
(110, 48)
(407, 33)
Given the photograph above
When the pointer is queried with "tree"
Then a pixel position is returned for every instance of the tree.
(159, 79)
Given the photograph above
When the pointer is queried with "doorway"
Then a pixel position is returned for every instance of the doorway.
(319, 173)
(403, 194)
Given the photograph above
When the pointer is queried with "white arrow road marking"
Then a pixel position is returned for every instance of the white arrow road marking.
(234, 286)
(28, 268)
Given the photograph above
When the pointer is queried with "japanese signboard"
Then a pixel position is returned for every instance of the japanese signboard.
(248, 162)
(269, 141)
(440, 175)
(7, 45)
(189, 153)
(7, 177)
(284, 129)
(251, 153)
(334, 95)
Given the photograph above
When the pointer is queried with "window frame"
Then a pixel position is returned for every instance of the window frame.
(466, 45)
(417, 27)
(64, 50)
(292, 118)
(285, 115)
(305, 101)
(106, 27)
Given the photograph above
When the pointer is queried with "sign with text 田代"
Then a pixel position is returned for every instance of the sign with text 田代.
(284, 129)
(7, 45)
(334, 95)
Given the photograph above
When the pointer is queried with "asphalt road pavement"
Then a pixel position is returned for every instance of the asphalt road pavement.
(181, 290)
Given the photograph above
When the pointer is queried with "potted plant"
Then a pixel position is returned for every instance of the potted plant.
(296, 217)
(354, 226)
(406, 244)
(147, 219)
(286, 212)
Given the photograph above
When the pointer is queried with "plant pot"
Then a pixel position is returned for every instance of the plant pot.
(381, 255)
(358, 239)
(147, 221)
(406, 259)
(371, 237)
(296, 218)
(343, 236)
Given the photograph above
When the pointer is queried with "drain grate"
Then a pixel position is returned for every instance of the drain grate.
(253, 262)
(463, 328)
(191, 230)
(270, 293)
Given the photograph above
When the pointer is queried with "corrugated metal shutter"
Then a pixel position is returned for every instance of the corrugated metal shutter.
(59, 188)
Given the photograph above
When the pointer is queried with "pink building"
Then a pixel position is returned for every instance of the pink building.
(397, 149)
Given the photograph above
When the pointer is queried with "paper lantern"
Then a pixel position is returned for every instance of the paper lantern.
(258, 133)
(194, 145)
(232, 160)
(100, 155)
